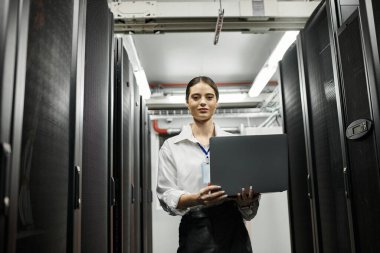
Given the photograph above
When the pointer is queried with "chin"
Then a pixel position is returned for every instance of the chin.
(202, 118)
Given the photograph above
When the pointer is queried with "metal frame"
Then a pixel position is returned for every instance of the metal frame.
(111, 179)
(76, 124)
(136, 166)
(146, 219)
(118, 150)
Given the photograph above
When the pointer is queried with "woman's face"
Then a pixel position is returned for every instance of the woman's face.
(202, 101)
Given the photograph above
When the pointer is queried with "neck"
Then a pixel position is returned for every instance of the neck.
(203, 131)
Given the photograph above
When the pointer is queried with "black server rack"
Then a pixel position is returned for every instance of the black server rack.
(298, 199)
(95, 174)
(13, 45)
(45, 219)
(123, 149)
(136, 171)
(360, 103)
(111, 140)
(146, 180)
(325, 161)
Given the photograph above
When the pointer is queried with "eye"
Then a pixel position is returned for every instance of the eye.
(210, 97)
(195, 97)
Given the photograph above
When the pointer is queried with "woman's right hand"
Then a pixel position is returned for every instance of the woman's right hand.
(211, 195)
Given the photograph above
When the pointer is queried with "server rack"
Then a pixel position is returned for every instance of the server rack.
(95, 174)
(325, 154)
(362, 146)
(136, 172)
(13, 44)
(44, 198)
(111, 141)
(123, 150)
(146, 180)
(299, 208)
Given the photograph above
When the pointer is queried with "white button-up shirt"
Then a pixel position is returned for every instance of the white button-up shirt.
(179, 171)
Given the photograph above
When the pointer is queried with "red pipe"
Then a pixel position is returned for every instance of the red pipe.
(157, 129)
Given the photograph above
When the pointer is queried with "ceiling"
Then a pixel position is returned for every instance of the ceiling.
(178, 57)
(172, 59)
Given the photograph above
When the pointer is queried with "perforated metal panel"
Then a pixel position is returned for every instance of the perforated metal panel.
(327, 165)
(299, 208)
(43, 194)
(95, 129)
(363, 163)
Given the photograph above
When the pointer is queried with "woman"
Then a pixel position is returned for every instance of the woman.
(211, 222)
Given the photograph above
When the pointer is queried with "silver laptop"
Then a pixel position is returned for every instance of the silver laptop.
(242, 161)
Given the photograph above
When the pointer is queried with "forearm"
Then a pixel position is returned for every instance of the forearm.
(188, 200)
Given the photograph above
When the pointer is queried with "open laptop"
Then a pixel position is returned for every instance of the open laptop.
(242, 161)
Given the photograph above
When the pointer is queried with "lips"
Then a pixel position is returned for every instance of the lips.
(203, 110)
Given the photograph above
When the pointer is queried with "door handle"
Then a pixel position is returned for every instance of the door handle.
(5, 161)
(309, 193)
(347, 184)
(77, 180)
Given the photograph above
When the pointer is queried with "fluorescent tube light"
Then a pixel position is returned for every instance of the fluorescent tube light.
(143, 84)
(270, 65)
(233, 97)
(138, 70)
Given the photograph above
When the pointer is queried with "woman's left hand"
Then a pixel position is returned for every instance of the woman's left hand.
(247, 197)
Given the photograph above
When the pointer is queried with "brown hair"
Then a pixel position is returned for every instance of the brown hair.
(203, 79)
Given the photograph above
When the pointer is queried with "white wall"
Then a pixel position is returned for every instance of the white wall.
(165, 227)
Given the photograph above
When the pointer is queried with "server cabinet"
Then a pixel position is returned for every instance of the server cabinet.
(95, 183)
(299, 209)
(45, 219)
(8, 29)
(325, 159)
(146, 180)
(362, 145)
(136, 172)
(123, 149)
(111, 141)
(14, 16)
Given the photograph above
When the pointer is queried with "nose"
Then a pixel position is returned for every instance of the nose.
(203, 101)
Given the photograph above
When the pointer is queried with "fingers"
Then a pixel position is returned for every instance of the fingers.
(212, 194)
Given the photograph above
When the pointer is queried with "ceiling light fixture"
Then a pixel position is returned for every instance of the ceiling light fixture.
(270, 65)
(138, 70)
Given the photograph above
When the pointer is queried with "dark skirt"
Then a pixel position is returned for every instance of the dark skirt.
(217, 229)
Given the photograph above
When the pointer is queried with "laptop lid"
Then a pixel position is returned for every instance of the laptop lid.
(260, 161)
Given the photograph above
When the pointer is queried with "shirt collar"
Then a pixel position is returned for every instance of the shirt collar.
(187, 134)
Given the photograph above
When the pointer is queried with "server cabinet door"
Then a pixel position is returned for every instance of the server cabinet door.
(43, 199)
(363, 166)
(8, 17)
(95, 194)
(14, 18)
(136, 219)
(299, 207)
(123, 153)
(332, 220)
(146, 198)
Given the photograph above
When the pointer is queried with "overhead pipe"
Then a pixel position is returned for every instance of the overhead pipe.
(163, 130)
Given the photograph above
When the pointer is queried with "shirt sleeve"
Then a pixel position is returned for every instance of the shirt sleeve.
(250, 213)
(168, 192)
